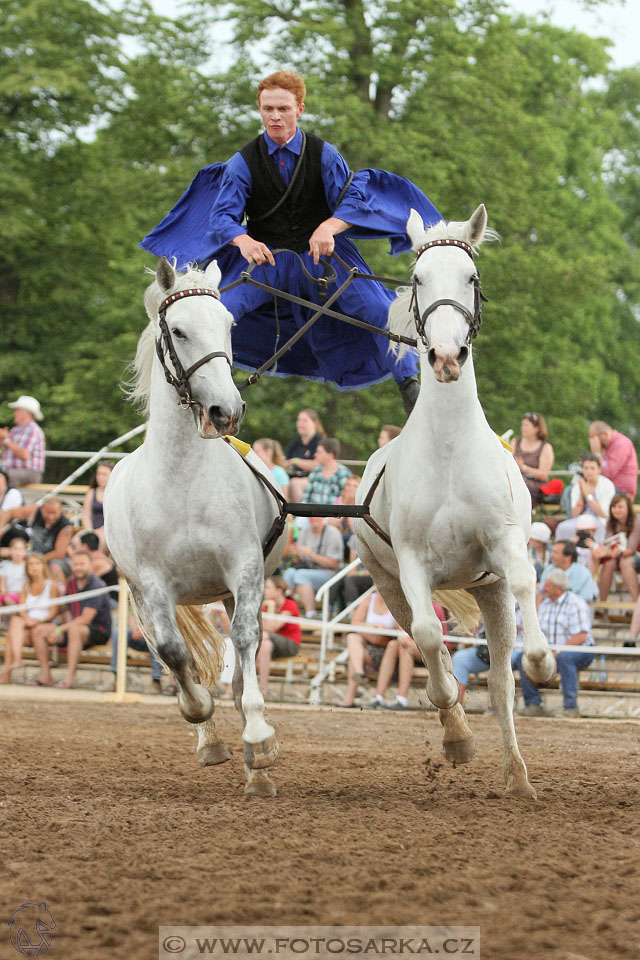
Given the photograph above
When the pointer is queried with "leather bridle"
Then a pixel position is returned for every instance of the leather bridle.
(473, 319)
(164, 345)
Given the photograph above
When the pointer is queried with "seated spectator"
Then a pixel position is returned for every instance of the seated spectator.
(101, 565)
(565, 619)
(354, 583)
(136, 641)
(366, 650)
(388, 433)
(29, 627)
(12, 573)
(538, 546)
(586, 529)
(92, 511)
(617, 457)
(317, 554)
(10, 497)
(50, 536)
(87, 622)
(23, 454)
(591, 494)
(346, 498)
(406, 654)
(270, 452)
(534, 454)
(564, 556)
(301, 450)
(280, 639)
(622, 537)
(326, 482)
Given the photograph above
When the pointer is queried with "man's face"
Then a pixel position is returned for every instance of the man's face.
(552, 590)
(558, 558)
(279, 111)
(20, 417)
(51, 512)
(316, 523)
(80, 566)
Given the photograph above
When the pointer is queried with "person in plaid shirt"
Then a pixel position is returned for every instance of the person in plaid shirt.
(326, 482)
(565, 619)
(23, 453)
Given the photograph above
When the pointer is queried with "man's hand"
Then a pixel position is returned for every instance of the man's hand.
(253, 250)
(321, 241)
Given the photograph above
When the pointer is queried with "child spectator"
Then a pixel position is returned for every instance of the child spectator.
(270, 452)
(279, 638)
(12, 573)
(301, 450)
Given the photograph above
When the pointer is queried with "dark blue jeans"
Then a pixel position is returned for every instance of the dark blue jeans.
(569, 663)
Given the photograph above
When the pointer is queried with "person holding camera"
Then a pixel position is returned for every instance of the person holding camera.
(591, 493)
(622, 537)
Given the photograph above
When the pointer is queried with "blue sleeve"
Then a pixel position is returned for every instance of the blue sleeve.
(377, 203)
(227, 213)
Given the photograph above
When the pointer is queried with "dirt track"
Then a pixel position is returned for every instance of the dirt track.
(107, 816)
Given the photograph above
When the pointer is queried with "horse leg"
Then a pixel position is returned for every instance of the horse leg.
(260, 745)
(211, 750)
(426, 630)
(457, 743)
(158, 614)
(498, 610)
(538, 662)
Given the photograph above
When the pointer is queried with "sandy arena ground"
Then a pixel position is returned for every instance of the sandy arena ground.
(107, 816)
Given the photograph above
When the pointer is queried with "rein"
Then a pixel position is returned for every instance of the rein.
(165, 346)
(473, 319)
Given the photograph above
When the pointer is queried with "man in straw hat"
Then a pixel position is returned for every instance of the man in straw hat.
(23, 445)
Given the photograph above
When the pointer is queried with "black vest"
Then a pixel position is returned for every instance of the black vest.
(303, 210)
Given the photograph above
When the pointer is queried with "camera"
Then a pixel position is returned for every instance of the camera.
(583, 536)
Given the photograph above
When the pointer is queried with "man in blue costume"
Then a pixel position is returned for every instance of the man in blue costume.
(297, 192)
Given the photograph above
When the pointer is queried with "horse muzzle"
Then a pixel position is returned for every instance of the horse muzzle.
(447, 364)
(219, 420)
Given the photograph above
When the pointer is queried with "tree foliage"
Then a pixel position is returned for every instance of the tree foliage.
(105, 116)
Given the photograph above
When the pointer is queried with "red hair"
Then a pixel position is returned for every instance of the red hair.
(284, 80)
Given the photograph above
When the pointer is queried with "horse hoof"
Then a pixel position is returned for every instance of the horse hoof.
(459, 751)
(521, 789)
(455, 696)
(206, 703)
(540, 672)
(260, 786)
(257, 756)
(213, 753)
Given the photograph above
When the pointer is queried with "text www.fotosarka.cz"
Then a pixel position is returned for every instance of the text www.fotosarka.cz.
(318, 942)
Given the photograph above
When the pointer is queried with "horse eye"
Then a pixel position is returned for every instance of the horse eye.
(179, 334)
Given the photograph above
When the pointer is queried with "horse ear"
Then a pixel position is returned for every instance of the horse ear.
(477, 225)
(212, 274)
(415, 228)
(165, 274)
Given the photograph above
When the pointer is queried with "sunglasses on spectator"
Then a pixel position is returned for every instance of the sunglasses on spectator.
(535, 419)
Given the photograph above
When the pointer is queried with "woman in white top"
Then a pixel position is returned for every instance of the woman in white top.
(591, 494)
(37, 594)
(366, 650)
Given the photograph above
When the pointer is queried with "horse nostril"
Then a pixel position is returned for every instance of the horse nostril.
(463, 355)
(218, 415)
(431, 357)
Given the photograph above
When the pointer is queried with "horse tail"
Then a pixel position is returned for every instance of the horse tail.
(461, 605)
(204, 642)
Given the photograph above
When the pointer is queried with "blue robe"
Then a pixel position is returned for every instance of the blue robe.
(377, 204)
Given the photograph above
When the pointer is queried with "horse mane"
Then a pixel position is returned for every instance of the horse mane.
(401, 320)
(137, 382)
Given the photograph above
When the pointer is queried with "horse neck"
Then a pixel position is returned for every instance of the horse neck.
(447, 408)
(171, 427)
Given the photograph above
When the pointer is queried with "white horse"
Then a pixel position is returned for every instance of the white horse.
(451, 498)
(187, 521)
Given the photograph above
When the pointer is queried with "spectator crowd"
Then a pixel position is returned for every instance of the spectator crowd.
(43, 555)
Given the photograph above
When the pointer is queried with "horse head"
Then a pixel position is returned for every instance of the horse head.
(445, 298)
(193, 345)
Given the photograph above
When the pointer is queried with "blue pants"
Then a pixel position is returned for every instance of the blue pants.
(315, 576)
(156, 666)
(467, 661)
(569, 663)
